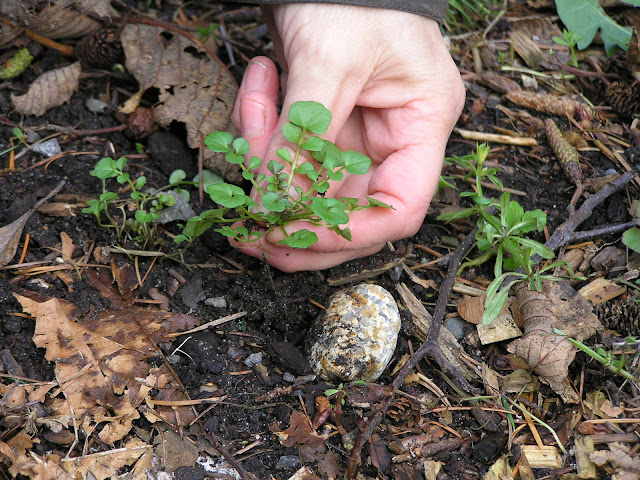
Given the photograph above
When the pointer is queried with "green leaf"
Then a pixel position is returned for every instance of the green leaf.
(180, 238)
(284, 154)
(247, 175)
(227, 195)
(121, 163)
(513, 213)
(143, 217)
(122, 178)
(208, 178)
(306, 168)
(108, 196)
(631, 238)
(183, 192)
(241, 146)
(310, 115)
(177, 176)
(275, 167)
(105, 168)
(313, 144)
(291, 132)
(355, 162)
(586, 17)
(330, 154)
(274, 202)
(343, 232)
(330, 210)
(234, 158)
(300, 239)
(372, 202)
(254, 162)
(218, 141)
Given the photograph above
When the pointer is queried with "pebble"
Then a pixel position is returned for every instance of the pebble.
(288, 462)
(218, 302)
(456, 326)
(356, 334)
(288, 377)
(96, 106)
(49, 148)
(253, 359)
(180, 210)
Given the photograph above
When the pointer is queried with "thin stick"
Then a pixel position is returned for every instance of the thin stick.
(497, 138)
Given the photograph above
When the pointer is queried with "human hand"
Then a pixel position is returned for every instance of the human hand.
(395, 95)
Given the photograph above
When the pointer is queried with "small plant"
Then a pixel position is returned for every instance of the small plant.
(281, 201)
(502, 225)
(617, 363)
(205, 33)
(17, 135)
(570, 39)
(143, 225)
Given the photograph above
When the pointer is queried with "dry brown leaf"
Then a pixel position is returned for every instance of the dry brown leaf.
(10, 234)
(60, 23)
(557, 306)
(105, 465)
(195, 88)
(51, 89)
(99, 361)
(627, 467)
(471, 308)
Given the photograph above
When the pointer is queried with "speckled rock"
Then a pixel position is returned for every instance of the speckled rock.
(356, 335)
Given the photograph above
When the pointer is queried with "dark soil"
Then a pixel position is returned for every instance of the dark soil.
(281, 307)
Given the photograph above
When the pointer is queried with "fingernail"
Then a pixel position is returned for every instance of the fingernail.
(252, 117)
(254, 77)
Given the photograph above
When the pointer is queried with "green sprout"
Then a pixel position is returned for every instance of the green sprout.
(502, 224)
(570, 39)
(143, 225)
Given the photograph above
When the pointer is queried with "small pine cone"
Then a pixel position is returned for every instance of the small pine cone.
(621, 316)
(624, 98)
(404, 411)
(101, 50)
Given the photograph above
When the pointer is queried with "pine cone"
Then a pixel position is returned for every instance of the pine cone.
(101, 50)
(622, 316)
(624, 98)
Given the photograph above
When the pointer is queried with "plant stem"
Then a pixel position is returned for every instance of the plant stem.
(294, 164)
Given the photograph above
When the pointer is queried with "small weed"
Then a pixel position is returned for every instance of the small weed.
(502, 225)
(281, 201)
(465, 15)
(143, 225)
(205, 33)
(570, 39)
(17, 135)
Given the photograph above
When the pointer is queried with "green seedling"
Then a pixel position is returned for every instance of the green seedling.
(502, 224)
(17, 135)
(613, 362)
(280, 200)
(205, 33)
(570, 39)
(142, 226)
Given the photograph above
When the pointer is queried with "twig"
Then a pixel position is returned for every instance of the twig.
(497, 138)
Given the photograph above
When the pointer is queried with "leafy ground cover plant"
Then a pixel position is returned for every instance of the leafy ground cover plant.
(502, 224)
(280, 200)
(143, 225)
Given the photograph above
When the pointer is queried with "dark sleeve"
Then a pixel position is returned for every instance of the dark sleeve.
(429, 8)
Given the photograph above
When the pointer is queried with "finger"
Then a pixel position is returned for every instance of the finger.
(255, 112)
(295, 260)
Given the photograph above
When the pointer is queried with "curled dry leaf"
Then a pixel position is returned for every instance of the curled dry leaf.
(99, 362)
(59, 23)
(557, 306)
(195, 88)
(619, 456)
(51, 89)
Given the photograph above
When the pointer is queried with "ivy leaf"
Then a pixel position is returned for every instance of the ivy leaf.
(313, 116)
(218, 141)
(586, 17)
(330, 210)
(300, 239)
(227, 195)
(356, 162)
(274, 202)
